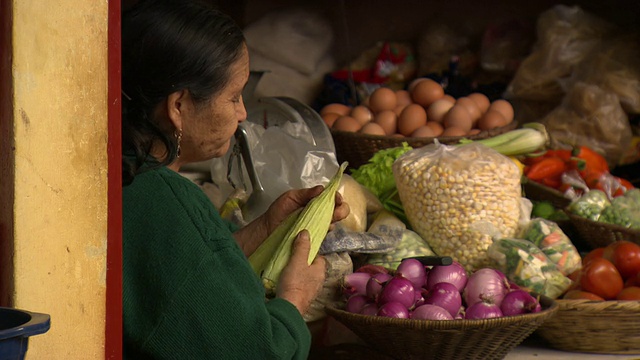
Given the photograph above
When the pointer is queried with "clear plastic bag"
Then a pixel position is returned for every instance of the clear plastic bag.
(410, 245)
(528, 267)
(554, 243)
(565, 37)
(338, 265)
(593, 117)
(590, 205)
(458, 198)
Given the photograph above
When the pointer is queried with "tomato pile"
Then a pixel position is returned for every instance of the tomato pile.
(608, 273)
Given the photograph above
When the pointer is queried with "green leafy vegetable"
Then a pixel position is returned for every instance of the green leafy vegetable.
(377, 176)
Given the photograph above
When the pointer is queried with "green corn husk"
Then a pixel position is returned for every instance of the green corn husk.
(274, 253)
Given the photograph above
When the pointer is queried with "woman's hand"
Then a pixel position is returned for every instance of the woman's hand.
(292, 200)
(299, 282)
(252, 235)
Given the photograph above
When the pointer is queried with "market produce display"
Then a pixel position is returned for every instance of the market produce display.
(456, 197)
(574, 172)
(439, 292)
(423, 110)
(608, 273)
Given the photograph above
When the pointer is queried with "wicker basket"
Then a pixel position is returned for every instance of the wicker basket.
(599, 234)
(604, 327)
(539, 192)
(357, 148)
(445, 339)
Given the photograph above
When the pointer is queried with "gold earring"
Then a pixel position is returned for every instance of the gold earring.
(178, 135)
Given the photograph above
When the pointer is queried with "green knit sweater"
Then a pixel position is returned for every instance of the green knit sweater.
(188, 290)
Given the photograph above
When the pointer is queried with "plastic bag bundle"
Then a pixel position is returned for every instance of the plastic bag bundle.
(458, 198)
(553, 242)
(528, 267)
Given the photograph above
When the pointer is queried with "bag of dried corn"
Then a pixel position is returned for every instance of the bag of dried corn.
(458, 198)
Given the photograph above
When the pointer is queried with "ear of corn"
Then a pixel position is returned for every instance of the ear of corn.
(260, 258)
(315, 217)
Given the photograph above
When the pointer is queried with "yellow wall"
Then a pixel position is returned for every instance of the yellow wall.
(60, 210)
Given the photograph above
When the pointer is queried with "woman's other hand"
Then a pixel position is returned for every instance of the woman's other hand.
(299, 282)
(292, 200)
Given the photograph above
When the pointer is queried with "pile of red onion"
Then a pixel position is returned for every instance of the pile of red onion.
(440, 292)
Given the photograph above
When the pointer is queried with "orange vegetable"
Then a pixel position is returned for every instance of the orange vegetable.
(547, 168)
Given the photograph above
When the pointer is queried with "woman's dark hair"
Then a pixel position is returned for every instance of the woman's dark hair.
(168, 46)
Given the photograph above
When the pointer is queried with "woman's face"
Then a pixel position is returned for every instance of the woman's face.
(207, 130)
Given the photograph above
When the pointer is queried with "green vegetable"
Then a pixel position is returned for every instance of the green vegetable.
(531, 137)
(590, 205)
(274, 253)
(543, 209)
(377, 176)
(624, 211)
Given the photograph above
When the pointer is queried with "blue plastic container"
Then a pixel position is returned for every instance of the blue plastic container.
(15, 328)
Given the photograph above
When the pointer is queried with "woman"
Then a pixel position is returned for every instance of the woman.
(188, 290)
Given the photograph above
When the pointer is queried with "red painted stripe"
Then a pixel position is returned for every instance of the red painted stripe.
(113, 323)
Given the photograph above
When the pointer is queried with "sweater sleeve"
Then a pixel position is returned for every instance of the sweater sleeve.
(189, 293)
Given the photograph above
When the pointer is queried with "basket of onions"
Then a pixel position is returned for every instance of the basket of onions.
(439, 311)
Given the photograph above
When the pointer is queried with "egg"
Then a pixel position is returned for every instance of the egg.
(330, 118)
(453, 131)
(458, 117)
(404, 97)
(449, 98)
(382, 99)
(472, 108)
(346, 123)
(424, 131)
(388, 120)
(411, 118)
(372, 129)
(491, 119)
(335, 108)
(504, 107)
(436, 127)
(481, 100)
(362, 114)
(426, 92)
(413, 83)
(398, 109)
(438, 110)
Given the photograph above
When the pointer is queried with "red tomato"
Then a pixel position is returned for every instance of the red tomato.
(595, 253)
(602, 278)
(577, 294)
(629, 293)
(633, 281)
(625, 255)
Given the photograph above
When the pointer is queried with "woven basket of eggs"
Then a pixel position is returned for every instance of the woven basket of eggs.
(417, 116)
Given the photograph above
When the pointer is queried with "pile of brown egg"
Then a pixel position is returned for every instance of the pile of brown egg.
(423, 110)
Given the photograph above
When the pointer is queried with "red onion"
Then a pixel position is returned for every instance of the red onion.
(393, 310)
(356, 303)
(370, 309)
(485, 285)
(399, 290)
(372, 269)
(430, 312)
(482, 310)
(375, 283)
(355, 283)
(413, 270)
(419, 298)
(519, 302)
(453, 274)
(446, 296)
